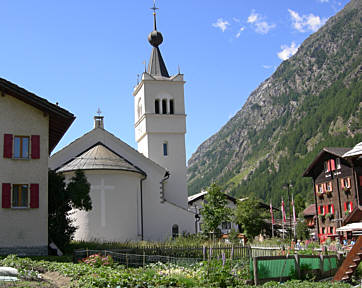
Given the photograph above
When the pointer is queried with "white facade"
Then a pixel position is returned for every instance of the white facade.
(130, 203)
(160, 132)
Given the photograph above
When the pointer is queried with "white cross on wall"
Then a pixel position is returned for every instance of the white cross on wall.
(102, 188)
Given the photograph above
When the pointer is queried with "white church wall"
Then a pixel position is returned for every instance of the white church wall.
(24, 227)
(115, 210)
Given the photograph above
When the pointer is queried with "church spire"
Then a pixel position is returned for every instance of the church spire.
(156, 65)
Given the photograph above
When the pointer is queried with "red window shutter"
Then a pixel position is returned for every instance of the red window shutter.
(329, 165)
(345, 206)
(34, 195)
(316, 188)
(8, 145)
(332, 208)
(351, 205)
(6, 195)
(35, 146)
(324, 187)
(342, 183)
(325, 207)
(333, 165)
(319, 210)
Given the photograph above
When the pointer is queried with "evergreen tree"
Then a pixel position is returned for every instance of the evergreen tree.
(62, 199)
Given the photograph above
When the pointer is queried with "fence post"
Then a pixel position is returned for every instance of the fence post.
(87, 252)
(144, 259)
(321, 264)
(127, 260)
(203, 252)
(297, 265)
(255, 270)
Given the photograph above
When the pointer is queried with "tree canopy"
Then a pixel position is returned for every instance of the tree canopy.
(214, 210)
(62, 199)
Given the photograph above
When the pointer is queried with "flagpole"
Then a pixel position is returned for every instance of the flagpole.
(283, 217)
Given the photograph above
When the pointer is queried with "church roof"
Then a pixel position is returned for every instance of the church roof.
(100, 157)
(156, 66)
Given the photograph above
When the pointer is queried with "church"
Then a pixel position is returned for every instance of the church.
(136, 194)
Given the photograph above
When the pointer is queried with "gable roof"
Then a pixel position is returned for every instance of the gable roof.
(355, 152)
(202, 194)
(102, 139)
(59, 118)
(354, 216)
(335, 151)
(100, 157)
(309, 211)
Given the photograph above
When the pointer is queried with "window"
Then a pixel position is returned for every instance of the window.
(321, 210)
(139, 108)
(164, 146)
(338, 163)
(226, 225)
(164, 106)
(330, 209)
(157, 106)
(346, 183)
(330, 230)
(171, 107)
(174, 230)
(329, 165)
(319, 188)
(21, 147)
(20, 196)
(348, 206)
(329, 187)
(323, 230)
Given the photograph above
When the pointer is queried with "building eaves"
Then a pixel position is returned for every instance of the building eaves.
(59, 118)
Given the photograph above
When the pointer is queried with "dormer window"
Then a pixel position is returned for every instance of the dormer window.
(164, 106)
(157, 106)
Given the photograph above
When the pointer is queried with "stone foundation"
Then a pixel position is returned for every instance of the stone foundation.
(25, 251)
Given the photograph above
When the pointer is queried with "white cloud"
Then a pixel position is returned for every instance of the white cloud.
(253, 17)
(220, 23)
(239, 33)
(323, 1)
(263, 27)
(267, 66)
(237, 20)
(306, 22)
(287, 51)
(260, 26)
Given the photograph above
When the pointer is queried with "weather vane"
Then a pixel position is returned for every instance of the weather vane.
(99, 112)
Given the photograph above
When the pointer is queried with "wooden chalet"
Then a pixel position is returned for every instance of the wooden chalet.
(337, 189)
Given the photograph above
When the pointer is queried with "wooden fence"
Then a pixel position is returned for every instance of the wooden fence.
(282, 268)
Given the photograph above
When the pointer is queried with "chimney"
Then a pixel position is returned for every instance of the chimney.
(98, 122)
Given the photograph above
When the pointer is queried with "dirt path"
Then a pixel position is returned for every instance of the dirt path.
(57, 280)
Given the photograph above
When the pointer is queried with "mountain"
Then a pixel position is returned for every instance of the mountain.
(313, 100)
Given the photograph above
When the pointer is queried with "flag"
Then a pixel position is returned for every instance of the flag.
(294, 218)
(271, 213)
(283, 212)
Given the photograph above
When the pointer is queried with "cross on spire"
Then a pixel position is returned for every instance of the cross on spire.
(154, 8)
(99, 112)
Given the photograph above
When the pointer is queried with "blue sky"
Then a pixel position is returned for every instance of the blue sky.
(87, 54)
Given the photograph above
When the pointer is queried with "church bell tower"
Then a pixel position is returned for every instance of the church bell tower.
(160, 120)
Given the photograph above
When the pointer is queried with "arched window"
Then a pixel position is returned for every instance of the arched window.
(174, 230)
(139, 108)
(165, 148)
(164, 106)
(157, 106)
(171, 107)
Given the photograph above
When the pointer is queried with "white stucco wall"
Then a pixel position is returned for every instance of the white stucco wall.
(158, 217)
(153, 130)
(24, 227)
(115, 214)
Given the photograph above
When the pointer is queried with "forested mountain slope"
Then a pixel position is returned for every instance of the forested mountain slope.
(313, 100)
